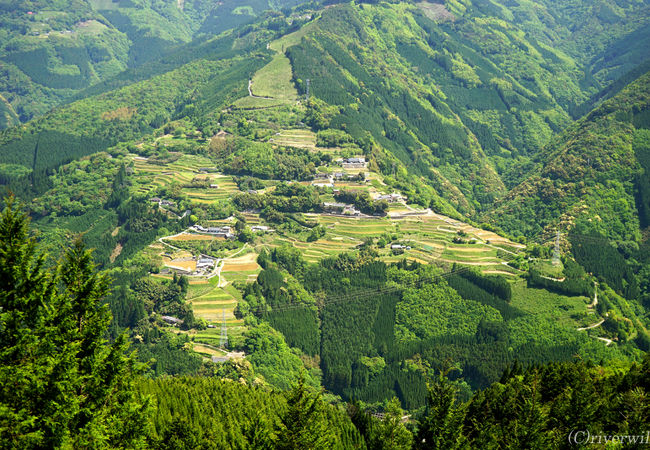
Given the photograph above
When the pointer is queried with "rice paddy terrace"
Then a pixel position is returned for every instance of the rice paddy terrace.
(405, 232)
(184, 170)
(425, 237)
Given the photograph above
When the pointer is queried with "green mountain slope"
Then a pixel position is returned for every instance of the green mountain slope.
(51, 50)
(451, 105)
(462, 95)
(8, 117)
(92, 124)
(597, 171)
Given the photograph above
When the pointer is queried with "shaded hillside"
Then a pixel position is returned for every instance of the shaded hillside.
(462, 96)
(597, 171)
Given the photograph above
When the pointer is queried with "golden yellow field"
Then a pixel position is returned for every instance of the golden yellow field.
(194, 237)
(229, 267)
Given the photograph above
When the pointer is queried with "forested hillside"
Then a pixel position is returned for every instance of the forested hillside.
(456, 93)
(52, 50)
(596, 171)
(88, 393)
(352, 225)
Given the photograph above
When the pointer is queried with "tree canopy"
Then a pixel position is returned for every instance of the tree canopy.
(61, 383)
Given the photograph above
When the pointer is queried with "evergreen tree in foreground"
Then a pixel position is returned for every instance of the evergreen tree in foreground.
(61, 383)
(303, 425)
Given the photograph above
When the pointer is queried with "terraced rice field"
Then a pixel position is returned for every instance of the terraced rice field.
(183, 171)
(297, 137)
(429, 236)
(185, 265)
(211, 303)
(243, 268)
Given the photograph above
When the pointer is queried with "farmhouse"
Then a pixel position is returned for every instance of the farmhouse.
(205, 262)
(222, 134)
(334, 207)
(172, 320)
(224, 232)
(262, 228)
(341, 208)
(351, 210)
(390, 198)
(354, 163)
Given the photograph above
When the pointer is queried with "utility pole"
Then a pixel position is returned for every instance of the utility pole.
(556, 250)
(307, 94)
(223, 340)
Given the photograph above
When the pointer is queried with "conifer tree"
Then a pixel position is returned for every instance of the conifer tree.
(61, 383)
(391, 433)
(303, 424)
(441, 428)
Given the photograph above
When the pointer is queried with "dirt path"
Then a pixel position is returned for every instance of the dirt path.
(250, 92)
(161, 240)
(595, 302)
(597, 324)
(218, 267)
(605, 340)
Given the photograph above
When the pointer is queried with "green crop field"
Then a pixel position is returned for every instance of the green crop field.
(274, 80)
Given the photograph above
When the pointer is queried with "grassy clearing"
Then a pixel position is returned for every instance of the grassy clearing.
(274, 80)
(257, 103)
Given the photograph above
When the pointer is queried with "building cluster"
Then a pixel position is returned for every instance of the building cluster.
(328, 179)
(400, 247)
(341, 208)
(161, 202)
(354, 163)
(222, 232)
(262, 228)
(391, 198)
(205, 263)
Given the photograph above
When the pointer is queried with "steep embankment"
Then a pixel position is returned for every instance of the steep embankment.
(596, 172)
